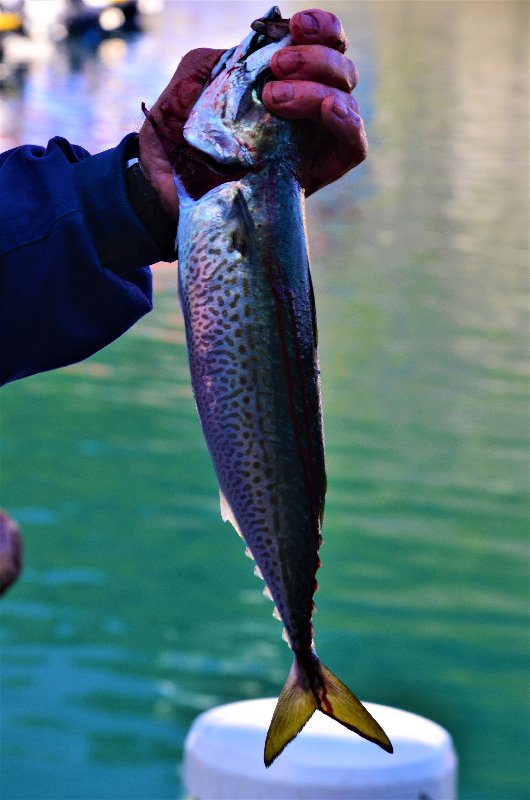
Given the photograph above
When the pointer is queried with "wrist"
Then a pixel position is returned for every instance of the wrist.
(157, 169)
(146, 201)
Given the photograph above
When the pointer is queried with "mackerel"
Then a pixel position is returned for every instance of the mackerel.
(247, 300)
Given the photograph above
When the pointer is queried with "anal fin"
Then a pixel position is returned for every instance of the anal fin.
(227, 514)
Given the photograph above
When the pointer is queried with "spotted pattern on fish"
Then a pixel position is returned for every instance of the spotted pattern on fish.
(252, 353)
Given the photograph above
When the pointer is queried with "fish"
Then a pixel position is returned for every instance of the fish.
(249, 311)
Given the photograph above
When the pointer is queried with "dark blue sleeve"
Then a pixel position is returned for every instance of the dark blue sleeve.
(73, 256)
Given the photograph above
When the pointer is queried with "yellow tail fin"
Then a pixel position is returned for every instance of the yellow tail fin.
(313, 686)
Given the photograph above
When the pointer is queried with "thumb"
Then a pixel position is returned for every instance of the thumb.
(160, 136)
(184, 89)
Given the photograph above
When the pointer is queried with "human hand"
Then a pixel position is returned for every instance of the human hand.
(320, 81)
(315, 81)
(11, 549)
(161, 134)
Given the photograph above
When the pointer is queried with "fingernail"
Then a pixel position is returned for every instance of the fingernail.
(340, 109)
(288, 61)
(309, 23)
(281, 91)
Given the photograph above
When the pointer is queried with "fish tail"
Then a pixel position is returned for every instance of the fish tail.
(294, 708)
(310, 686)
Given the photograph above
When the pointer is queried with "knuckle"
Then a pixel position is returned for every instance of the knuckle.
(345, 71)
(363, 147)
(354, 105)
(191, 57)
(353, 75)
(197, 64)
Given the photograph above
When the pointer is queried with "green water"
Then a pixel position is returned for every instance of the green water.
(137, 609)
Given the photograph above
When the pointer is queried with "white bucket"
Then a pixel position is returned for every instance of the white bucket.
(224, 758)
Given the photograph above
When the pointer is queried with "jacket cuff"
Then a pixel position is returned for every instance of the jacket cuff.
(122, 241)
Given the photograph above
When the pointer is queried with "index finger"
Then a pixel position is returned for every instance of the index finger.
(315, 26)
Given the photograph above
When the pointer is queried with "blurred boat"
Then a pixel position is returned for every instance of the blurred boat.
(11, 17)
(12, 72)
(29, 29)
(100, 17)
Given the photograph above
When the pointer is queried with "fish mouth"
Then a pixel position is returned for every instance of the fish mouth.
(271, 28)
(225, 123)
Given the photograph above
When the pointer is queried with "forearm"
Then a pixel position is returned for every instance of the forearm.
(73, 252)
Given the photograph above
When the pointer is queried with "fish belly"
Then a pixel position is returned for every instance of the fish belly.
(246, 297)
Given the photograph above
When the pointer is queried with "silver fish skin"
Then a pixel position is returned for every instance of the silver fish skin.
(247, 300)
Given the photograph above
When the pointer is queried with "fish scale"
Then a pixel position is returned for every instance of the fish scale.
(248, 417)
(247, 301)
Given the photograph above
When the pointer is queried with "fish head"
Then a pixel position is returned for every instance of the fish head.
(229, 123)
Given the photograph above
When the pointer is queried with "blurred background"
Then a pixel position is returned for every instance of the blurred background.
(136, 609)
